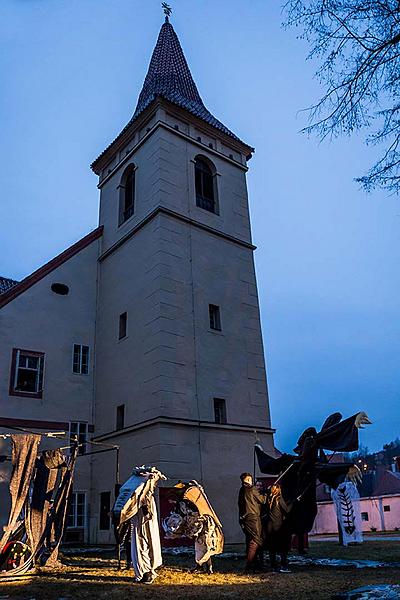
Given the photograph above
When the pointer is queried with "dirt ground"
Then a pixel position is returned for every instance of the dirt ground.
(97, 577)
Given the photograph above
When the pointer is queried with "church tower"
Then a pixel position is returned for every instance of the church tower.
(179, 370)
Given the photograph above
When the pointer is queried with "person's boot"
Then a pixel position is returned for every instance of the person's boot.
(284, 568)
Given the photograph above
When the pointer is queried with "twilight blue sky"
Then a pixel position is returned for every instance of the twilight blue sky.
(328, 254)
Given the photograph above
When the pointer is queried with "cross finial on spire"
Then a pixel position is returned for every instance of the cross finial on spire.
(167, 10)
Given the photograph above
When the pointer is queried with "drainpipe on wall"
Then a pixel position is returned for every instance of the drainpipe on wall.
(381, 513)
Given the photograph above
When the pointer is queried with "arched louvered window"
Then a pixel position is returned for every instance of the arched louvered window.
(205, 185)
(127, 195)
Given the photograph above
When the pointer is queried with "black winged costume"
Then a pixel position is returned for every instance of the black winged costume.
(292, 504)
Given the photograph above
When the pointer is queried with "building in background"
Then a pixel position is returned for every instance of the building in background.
(146, 333)
(379, 499)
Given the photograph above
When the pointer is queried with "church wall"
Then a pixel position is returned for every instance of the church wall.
(165, 177)
(230, 362)
(136, 448)
(147, 182)
(175, 450)
(171, 365)
(40, 320)
(135, 370)
(178, 186)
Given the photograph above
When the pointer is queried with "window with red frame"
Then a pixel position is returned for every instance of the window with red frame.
(27, 373)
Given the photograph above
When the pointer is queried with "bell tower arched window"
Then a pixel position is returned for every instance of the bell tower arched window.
(205, 185)
(127, 195)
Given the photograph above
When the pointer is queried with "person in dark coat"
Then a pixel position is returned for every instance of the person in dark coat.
(250, 503)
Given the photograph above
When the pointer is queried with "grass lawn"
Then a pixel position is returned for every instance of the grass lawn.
(96, 577)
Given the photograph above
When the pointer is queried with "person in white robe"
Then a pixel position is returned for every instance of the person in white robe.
(135, 506)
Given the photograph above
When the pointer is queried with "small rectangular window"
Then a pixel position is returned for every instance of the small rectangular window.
(215, 317)
(105, 507)
(80, 359)
(123, 325)
(79, 429)
(76, 517)
(120, 416)
(219, 410)
(386, 508)
(364, 516)
(26, 377)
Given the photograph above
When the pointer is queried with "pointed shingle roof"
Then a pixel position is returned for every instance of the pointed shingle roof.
(169, 77)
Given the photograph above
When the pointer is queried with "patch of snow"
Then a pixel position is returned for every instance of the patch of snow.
(341, 562)
(372, 592)
(86, 550)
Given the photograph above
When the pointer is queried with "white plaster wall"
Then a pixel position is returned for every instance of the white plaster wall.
(165, 177)
(175, 450)
(380, 520)
(171, 364)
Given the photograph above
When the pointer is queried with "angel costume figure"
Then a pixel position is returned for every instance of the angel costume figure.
(194, 517)
(292, 504)
(347, 503)
(135, 508)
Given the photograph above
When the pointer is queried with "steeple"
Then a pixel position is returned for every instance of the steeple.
(169, 76)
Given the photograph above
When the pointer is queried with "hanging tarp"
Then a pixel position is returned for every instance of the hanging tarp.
(24, 453)
(44, 510)
(47, 470)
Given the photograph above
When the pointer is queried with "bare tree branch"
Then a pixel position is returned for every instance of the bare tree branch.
(357, 43)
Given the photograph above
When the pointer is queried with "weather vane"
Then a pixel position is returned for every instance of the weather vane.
(167, 10)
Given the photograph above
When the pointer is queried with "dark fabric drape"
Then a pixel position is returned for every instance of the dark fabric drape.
(341, 437)
(24, 453)
(47, 470)
(269, 464)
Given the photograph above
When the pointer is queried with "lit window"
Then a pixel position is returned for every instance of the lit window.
(105, 507)
(205, 188)
(364, 516)
(26, 377)
(80, 361)
(215, 317)
(79, 429)
(219, 410)
(77, 511)
(127, 195)
(123, 325)
(120, 416)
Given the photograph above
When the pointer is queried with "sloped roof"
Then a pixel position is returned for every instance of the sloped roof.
(387, 483)
(19, 287)
(169, 77)
(6, 283)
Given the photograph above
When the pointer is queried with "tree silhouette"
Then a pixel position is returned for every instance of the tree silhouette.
(357, 44)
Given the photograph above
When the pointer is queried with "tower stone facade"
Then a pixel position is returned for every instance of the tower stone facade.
(190, 372)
